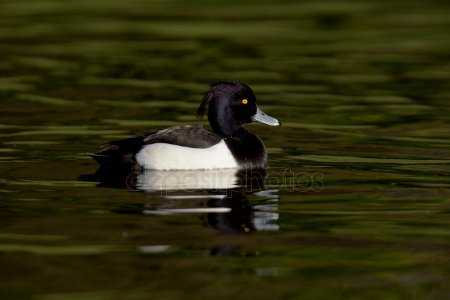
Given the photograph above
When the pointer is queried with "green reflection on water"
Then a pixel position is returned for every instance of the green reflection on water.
(356, 202)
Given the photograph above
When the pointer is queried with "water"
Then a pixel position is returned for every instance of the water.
(355, 203)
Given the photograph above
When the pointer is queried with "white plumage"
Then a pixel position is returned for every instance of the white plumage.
(162, 156)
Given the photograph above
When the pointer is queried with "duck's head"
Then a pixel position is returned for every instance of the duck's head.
(230, 105)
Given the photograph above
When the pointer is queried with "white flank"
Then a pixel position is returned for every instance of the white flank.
(162, 156)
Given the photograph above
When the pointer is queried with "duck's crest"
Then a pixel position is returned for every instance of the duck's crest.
(203, 108)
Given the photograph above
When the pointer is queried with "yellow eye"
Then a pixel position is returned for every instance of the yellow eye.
(244, 101)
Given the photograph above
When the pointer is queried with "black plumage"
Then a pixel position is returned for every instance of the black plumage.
(123, 151)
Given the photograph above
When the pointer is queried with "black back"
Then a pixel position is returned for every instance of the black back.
(189, 136)
(122, 152)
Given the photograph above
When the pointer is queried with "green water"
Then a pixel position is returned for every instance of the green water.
(356, 202)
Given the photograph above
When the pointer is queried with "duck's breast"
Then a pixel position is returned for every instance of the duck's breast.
(163, 156)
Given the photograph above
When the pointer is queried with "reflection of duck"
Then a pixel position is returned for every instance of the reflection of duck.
(220, 196)
(152, 180)
(240, 218)
(229, 106)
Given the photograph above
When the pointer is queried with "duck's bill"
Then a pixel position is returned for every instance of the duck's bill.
(264, 118)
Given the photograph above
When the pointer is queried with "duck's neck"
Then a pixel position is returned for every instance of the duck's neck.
(222, 122)
(247, 149)
(240, 133)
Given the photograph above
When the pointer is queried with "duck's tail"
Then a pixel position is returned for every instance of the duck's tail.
(119, 153)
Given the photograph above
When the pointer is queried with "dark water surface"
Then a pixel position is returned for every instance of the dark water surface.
(356, 202)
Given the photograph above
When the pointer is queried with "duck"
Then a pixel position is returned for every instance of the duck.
(229, 106)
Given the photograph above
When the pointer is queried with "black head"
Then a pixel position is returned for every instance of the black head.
(230, 105)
